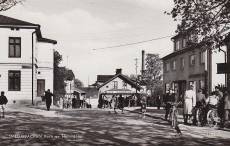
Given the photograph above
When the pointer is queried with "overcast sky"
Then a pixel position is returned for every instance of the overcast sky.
(86, 29)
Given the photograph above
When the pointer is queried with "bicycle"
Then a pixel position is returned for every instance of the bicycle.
(199, 114)
(173, 114)
(213, 118)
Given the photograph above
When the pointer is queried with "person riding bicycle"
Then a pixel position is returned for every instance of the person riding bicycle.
(211, 102)
(200, 99)
(200, 103)
(169, 97)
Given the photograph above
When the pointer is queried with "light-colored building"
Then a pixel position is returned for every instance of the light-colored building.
(25, 70)
(119, 84)
(184, 67)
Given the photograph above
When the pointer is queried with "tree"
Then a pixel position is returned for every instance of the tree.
(7, 4)
(209, 21)
(153, 72)
(78, 83)
(59, 77)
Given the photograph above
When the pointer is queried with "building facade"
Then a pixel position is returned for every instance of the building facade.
(186, 67)
(25, 70)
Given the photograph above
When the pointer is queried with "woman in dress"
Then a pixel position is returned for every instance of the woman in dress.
(189, 103)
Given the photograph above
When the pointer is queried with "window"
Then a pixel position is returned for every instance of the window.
(174, 65)
(115, 84)
(182, 63)
(124, 85)
(201, 84)
(167, 86)
(14, 81)
(192, 60)
(202, 57)
(177, 45)
(167, 67)
(183, 42)
(15, 47)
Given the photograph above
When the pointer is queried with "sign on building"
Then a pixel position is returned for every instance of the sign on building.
(223, 68)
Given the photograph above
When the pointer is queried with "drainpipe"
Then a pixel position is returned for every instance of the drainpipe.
(33, 67)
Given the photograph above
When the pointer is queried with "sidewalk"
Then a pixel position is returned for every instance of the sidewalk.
(192, 130)
(34, 109)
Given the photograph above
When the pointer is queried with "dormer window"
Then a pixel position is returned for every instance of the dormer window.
(183, 42)
(177, 45)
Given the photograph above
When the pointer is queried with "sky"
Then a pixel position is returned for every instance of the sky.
(88, 32)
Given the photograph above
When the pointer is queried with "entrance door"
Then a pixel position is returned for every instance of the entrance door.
(40, 87)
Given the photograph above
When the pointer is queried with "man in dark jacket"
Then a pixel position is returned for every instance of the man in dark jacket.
(48, 98)
(3, 102)
(169, 97)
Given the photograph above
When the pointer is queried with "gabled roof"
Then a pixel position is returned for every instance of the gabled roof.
(79, 90)
(11, 22)
(4, 20)
(103, 78)
(123, 77)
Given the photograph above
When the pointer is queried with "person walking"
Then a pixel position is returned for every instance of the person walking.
(81, 101)
(143, 105)
(158, 101)
(189, 103)
(74, 102)
(226, 108)
(121, 103)
(3, 102)
(48, 98)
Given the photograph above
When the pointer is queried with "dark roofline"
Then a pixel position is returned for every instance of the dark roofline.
(174, 54)
(47, 40)
(8, 22)
(124, 77)
(5, 20)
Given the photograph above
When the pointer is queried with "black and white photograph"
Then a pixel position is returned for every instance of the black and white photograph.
(114, 72)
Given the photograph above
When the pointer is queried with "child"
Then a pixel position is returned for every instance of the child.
(143, 106)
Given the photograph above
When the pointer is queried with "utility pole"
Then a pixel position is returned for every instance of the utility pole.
(136, 75)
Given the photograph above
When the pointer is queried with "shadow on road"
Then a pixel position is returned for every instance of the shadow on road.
(89, 127)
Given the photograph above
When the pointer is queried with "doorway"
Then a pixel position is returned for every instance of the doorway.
(40, 87)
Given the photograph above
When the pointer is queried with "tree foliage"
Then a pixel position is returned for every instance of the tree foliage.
(59, 76)
(209, 21)
(78, 83)
(7, 4)
(153, 72)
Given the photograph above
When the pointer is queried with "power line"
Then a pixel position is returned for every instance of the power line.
(134, 43)
(104, 12)
(114, 8)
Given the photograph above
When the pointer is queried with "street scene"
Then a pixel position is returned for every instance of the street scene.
(112, 72)
(32, 125)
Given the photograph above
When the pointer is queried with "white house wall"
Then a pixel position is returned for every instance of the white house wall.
(120, 84)
(26, 45)
(17, 64)
(25, 92)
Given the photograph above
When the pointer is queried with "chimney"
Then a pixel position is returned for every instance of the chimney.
(143, 62)
(118, 71)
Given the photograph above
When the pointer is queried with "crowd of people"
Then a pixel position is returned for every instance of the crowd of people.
(217, 99)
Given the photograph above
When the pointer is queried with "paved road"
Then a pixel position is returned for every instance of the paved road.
(36, 126)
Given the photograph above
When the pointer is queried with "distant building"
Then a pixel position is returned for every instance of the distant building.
(119, 84)
(70, 77)
(25, 70)
(184, 67)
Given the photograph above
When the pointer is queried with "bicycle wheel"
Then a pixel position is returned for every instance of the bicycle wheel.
(175, 117)
(170, 115)
(216, 118)
(199, 117)
(210, 120)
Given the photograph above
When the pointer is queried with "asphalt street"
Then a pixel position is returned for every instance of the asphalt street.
(33, 125)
